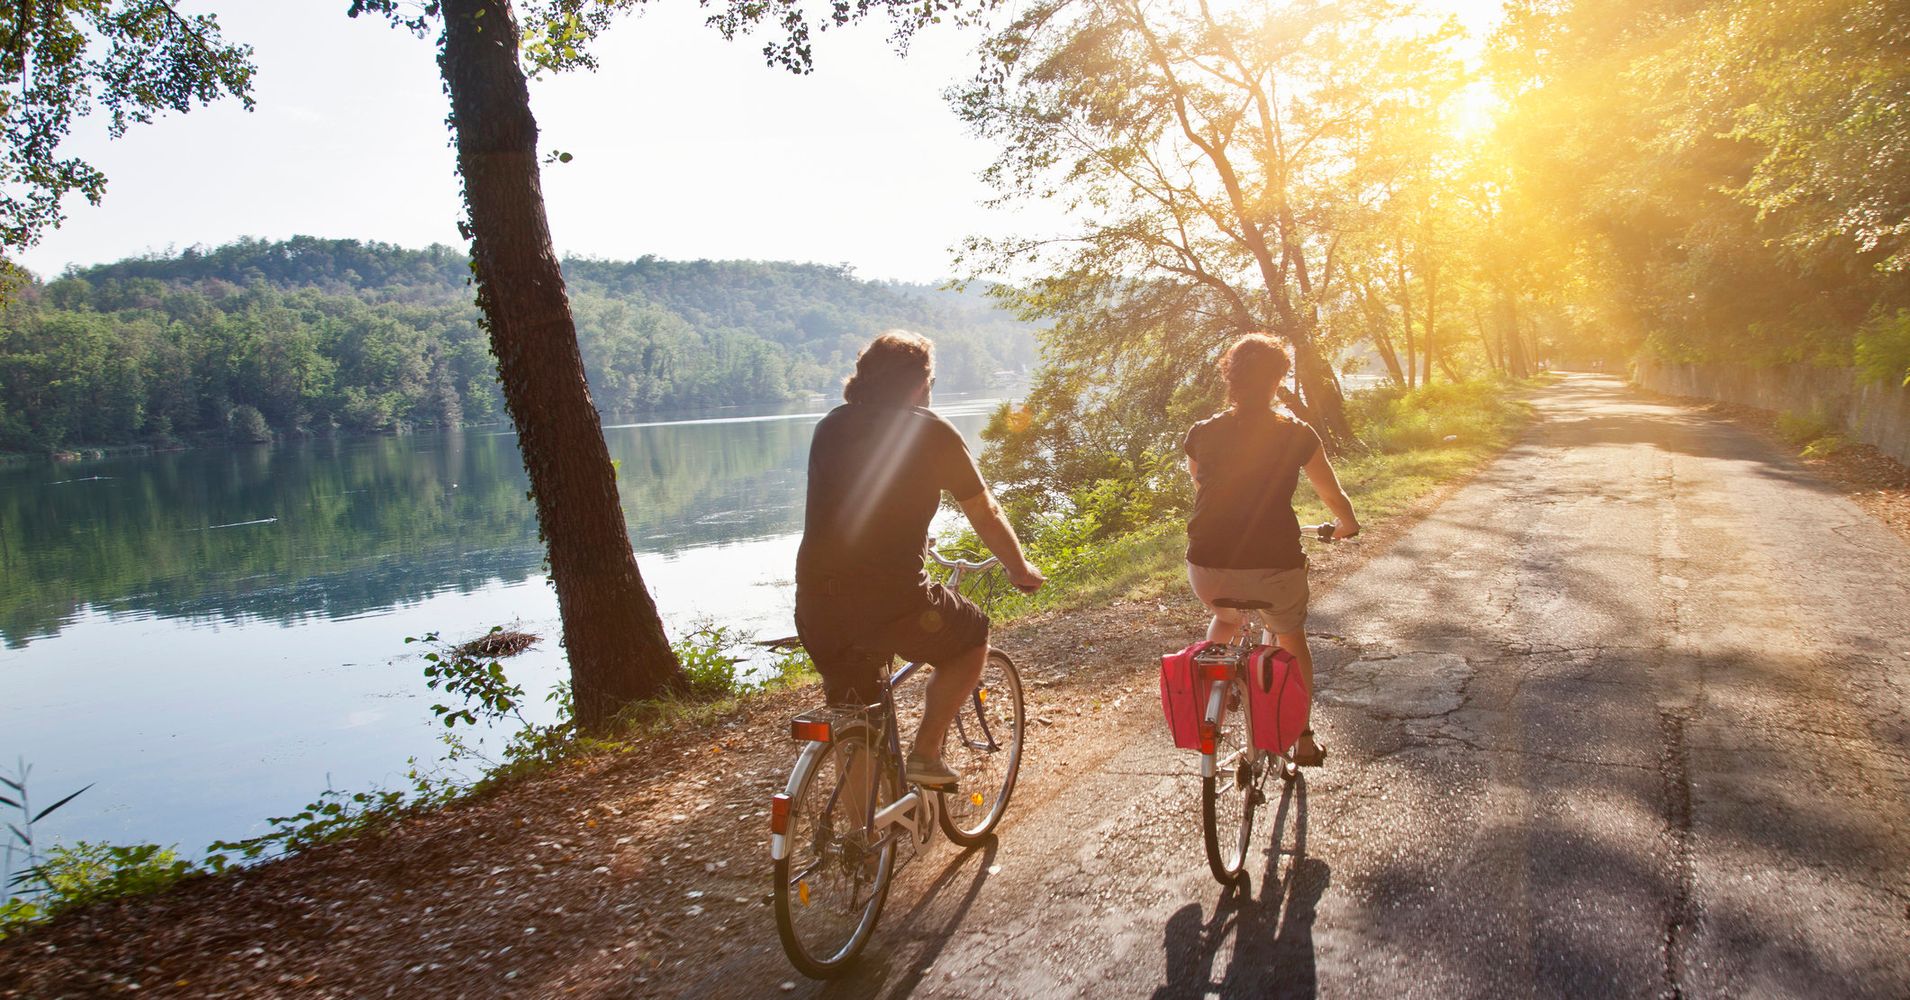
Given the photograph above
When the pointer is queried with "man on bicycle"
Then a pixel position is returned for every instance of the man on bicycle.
(878, 465)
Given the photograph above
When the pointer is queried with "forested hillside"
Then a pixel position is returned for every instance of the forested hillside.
(306, 335)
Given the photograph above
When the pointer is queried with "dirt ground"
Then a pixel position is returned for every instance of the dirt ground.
(616, 875)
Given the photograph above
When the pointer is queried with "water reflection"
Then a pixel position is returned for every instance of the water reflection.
(215, 636)
(340, 528)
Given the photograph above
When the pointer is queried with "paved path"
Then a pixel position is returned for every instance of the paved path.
(1628, 716)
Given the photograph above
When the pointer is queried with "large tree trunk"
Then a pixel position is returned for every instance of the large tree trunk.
(612, 635)
(1325, 407)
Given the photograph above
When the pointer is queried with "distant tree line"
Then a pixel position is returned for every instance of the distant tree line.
(305, 336)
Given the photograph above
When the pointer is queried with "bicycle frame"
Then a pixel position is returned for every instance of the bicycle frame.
(1235, 665)
(914, 811)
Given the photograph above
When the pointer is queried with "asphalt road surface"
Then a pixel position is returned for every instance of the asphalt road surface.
(1628, 716)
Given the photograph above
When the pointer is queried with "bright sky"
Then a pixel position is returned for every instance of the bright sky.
(685, 147)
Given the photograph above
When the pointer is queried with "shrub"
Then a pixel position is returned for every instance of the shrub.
(1883, 348)
(1802, 428)
(246, 425)
(709, 661)
(1394, 420)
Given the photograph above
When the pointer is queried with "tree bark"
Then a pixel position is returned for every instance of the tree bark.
(1406, 315)
(612, 634)
(1432, 325)
(1515, 360)
(1485, 341)
(1377, 321)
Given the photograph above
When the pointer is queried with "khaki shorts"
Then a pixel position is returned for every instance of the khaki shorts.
(1284, 589)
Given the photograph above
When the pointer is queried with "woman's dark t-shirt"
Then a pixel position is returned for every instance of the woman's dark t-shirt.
(876, 476)
(1247, 464)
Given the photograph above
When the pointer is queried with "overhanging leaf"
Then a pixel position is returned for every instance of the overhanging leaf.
(56, 805)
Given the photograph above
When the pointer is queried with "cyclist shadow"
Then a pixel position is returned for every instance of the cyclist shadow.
(1268, 941)
(931, 921)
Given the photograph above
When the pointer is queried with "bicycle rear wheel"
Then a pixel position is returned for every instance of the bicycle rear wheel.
(985, 747)
(831, 884)
(1227, 799)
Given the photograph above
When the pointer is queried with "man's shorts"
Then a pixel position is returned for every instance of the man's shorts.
(1284, 589)
(851, 635)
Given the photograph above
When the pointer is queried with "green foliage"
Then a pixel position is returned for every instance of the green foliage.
(1811, 432)
(334, 815)
(1882, 351)
(1829, 444)
(477, 681)
(133, 58)
(87, 873)
(309, 336)
(26, 866)
(1802, 428)
(1394, 420)
(709, 655)
(1721, 180)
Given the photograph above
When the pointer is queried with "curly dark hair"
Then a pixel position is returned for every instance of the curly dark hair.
(889, 369)
(1253, 368)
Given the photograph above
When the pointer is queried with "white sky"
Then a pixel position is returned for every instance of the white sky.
(685, 147)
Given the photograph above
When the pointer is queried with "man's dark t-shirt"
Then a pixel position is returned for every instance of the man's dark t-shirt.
(1247, 465)
(876, 476)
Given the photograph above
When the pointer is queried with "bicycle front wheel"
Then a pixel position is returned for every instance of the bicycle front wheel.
(831, 883)
(1227, 799)
(985, 748)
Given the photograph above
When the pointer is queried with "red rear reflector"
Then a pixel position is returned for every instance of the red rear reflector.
(779, 813)
(1217, 671)
(810, 729)
(1206, 737)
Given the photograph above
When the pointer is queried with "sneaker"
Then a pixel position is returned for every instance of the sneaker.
(931, 773)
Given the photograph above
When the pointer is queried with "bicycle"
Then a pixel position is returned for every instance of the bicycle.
(835, 827)
(1232, 764)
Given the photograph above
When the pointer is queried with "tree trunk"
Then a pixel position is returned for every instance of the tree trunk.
(1377, 320)
(1325, 408)
(1514, 343)
(1432, 326)
(1406, 315)
(612, 635)
(1485, 341)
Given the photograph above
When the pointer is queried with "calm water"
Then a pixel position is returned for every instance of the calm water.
(216, 636)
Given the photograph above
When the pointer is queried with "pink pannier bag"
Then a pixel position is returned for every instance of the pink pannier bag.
(1184, 695)
(1277, 697)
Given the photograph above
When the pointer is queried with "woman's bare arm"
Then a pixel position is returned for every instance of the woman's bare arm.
(1319, 472)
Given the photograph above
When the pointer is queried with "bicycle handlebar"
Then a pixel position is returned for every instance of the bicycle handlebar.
(1322, 531)
(965, 565)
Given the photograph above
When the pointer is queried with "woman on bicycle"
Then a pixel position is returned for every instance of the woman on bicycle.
(1243, 540)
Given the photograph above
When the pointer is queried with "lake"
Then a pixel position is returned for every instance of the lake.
(215, 636)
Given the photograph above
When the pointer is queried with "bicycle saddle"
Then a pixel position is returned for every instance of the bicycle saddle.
(1237, 605)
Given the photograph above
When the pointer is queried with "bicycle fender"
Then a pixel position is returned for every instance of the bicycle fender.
(805, 762)
(1215, 695)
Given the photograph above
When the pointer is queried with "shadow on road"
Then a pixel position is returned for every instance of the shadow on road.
(916, 938)
(1267, 943)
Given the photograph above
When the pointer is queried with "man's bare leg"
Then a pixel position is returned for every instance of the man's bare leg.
(948, 687)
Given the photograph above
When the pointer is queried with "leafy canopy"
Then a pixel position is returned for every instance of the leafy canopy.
(557, 33)
(61, 59)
